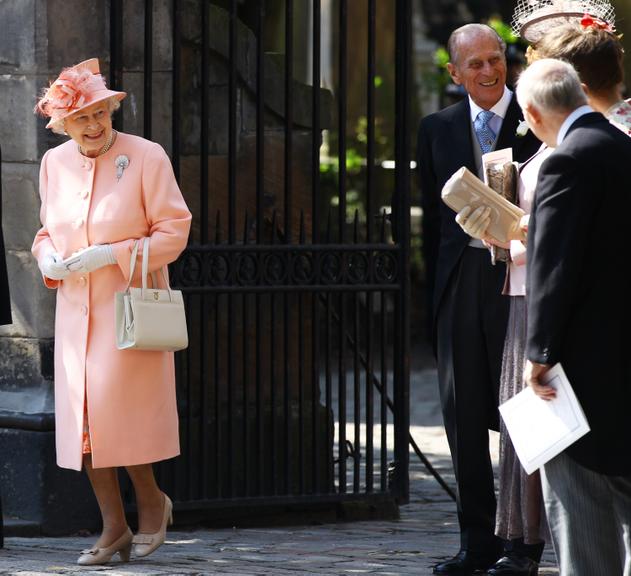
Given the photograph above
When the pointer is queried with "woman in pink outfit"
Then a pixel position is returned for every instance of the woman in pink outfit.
(101, 191)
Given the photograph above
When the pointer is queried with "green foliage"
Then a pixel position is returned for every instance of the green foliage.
(504, 30)
(435, 79)
(356, 162)
(356, 151)
(441, 57)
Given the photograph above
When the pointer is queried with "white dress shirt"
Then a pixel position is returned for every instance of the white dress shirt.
(500, 109)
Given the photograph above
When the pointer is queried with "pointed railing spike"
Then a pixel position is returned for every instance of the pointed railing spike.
(218, 227)
(302, 227)
(383, 225)
(246, 226)
(328, 227)
(274, 227)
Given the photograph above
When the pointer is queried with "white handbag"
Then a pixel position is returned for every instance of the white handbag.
(149, 318)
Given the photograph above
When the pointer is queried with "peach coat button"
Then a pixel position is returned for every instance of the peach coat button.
(83, 281)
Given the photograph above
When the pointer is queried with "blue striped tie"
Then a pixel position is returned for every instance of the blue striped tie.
(486, 136)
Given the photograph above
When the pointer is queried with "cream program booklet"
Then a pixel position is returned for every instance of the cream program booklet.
(540, 429)
(496, 157)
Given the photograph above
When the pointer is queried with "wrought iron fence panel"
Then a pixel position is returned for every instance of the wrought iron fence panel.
(295, 385)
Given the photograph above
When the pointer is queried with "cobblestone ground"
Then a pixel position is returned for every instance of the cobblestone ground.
(426, 532)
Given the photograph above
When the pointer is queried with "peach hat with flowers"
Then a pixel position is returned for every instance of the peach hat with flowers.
(76, 88)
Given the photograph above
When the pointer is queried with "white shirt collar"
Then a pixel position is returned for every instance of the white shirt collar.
(500, 108)
(573, 117)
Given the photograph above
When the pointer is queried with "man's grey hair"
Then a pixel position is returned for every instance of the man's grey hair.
(551, 85)
(457, 36)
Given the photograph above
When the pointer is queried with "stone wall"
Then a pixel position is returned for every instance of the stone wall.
(38, 38)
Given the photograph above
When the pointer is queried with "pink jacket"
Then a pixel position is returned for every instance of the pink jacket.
(130, 394)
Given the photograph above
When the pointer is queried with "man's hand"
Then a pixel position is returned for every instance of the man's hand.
(474, 222)
(521, 232)
(489, 241)
(532, 373)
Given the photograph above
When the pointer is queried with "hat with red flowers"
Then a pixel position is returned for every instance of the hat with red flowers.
(533, 18)
(76, 88)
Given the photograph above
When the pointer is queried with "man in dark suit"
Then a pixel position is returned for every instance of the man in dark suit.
(469, 312)
(579, 314)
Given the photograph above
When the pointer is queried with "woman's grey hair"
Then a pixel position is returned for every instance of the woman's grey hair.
(550, 85)
(113, 104)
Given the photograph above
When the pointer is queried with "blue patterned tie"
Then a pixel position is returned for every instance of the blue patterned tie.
(486, 136)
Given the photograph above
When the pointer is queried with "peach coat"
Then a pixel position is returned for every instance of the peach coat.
(130, 394)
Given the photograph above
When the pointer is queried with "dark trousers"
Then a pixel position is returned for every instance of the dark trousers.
(471, 327)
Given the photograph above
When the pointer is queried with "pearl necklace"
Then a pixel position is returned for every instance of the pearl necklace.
(106, 146)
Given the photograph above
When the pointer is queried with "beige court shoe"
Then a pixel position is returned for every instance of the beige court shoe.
(145, 544)
(104, 555)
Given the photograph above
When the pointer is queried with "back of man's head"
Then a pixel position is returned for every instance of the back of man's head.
(550, 86)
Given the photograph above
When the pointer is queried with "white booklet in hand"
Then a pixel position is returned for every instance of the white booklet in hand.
(540, 429)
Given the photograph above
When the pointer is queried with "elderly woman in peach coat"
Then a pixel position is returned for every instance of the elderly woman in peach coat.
(100, 191)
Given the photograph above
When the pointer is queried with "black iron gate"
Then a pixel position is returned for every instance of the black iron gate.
(295, 384)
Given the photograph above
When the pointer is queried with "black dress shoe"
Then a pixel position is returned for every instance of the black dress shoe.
(465, 563)
(514, 565)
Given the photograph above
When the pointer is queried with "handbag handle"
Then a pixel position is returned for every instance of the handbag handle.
(145, 267)
(132, 263)
(145, 270)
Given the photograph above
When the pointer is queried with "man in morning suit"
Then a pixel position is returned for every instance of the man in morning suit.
(579, 314)
(469, 312)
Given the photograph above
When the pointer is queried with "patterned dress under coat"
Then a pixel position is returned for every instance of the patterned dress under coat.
(520, 511)
(129, 395)
(620, 115)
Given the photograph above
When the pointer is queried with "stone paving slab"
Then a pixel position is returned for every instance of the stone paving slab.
(425, 533)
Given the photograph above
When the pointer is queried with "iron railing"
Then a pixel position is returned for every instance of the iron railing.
(295, 385)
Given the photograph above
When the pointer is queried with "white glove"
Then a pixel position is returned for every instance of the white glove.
(474, 223)
(53, 266)
(91, 259)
